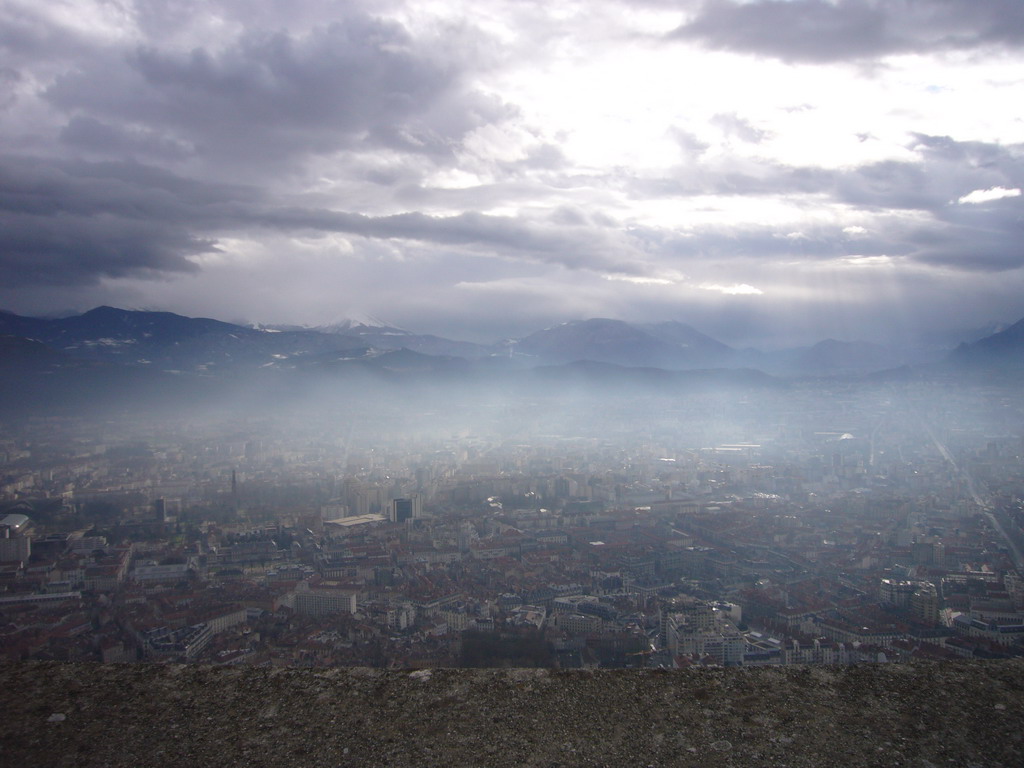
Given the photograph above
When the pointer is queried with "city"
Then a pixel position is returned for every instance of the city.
(831, 523)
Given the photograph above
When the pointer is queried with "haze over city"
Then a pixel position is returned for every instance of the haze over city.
(772, 173)
(417, 335)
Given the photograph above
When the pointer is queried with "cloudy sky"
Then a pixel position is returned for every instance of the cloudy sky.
(769, 171)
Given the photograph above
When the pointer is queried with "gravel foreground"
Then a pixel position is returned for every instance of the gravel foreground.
(957, 714)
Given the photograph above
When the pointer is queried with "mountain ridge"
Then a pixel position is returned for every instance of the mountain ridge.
(173, 342)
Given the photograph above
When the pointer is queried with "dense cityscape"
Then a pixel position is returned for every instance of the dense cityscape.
(827, 524)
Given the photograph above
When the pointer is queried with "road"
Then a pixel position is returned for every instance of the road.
(984, 506)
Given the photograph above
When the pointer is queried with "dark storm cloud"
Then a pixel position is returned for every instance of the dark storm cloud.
(69, 222)
(47, 187)
(960, 235)
(9, 78)
(102, 138)
(759, 244)
(823, 31)
(979, 238)
(947, 169)
(270, 96)
(26, 34)
(82, 249)
(575, 248)
(65, 223)
(255, 106)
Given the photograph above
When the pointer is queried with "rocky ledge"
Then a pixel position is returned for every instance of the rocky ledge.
(959, 714)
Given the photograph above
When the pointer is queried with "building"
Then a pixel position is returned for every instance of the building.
(183, 644)
(685, 614)
(725, 646)
(577, 623)
(924, 603)
(404, 509)
(323, 599)
(895, 592)
(15, 542)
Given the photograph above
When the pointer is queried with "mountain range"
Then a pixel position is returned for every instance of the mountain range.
(173, 342)
(126, 351)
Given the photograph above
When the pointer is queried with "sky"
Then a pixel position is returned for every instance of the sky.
(772, 172)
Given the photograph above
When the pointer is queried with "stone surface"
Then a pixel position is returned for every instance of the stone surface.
(926, 715)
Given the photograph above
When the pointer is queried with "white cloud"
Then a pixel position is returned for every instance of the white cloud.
(636, 280)
(868, 261)
(988, 195)
(737, 289)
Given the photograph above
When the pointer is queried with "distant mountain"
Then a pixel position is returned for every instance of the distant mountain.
(20, 356)
(378, 335)
(168, 341)
(144, 356)
(35, 378)
(661, 345)
(834, 358)
(690, 342)
(1003, 350)
(349, 326)
(118, 359)
(426, 344)
(831, 357)
(112, 328)
(359, 326)
(949, 339)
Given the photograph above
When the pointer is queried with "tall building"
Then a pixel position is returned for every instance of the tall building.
(896, 592)
(406, 509)
(924, 603)
(15, 541)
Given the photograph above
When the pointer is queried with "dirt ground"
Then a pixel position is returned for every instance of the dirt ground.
(926, 715)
